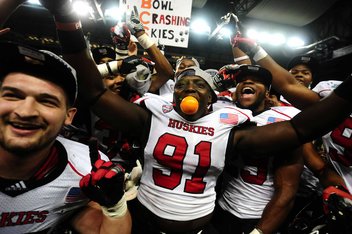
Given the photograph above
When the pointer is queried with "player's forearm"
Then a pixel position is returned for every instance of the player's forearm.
(120, 225)
(92, 220)
(328, 177)
(162, 66)
(310, 124)
(240, 57)
(285, 84)
(274, 215)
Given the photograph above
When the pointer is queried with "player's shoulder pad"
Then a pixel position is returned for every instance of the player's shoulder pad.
(78, 155)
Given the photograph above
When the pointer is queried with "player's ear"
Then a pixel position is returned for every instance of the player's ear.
(210, 98)
(70, 114)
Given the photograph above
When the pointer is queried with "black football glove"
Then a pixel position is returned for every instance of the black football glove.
(226, 77)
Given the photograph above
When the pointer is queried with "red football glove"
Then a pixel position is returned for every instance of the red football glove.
(104, 184)
(247, 45)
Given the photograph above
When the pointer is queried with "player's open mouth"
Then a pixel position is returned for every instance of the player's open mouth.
(247, 90)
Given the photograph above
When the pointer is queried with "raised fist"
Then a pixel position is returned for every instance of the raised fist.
(120, 36)
(104, 184)
(226, 77)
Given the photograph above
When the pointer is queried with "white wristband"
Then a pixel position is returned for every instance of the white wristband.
(256, 231)
(116, 211)
(145, 41)
(107, 69)
(239, 59)
(260, 54)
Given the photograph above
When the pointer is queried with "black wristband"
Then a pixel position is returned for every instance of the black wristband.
(72, 41)
(344, 90)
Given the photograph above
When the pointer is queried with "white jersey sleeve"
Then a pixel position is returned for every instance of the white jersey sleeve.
(248, 184)
(338, 144)
(324, 88)
(183, 159)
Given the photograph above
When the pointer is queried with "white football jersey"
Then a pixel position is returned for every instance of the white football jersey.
(324, 88)
(37, 205)
(338, 143)
(183, 159)
(248, 184)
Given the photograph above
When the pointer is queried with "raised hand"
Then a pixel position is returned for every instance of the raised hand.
(249, 46)
(104, 184)
(138, 73)
(245, 44)
(130, 63)
(133, 23)
(120, 36)
(226, 77)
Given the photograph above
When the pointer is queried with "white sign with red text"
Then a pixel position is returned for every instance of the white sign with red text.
(165, 21)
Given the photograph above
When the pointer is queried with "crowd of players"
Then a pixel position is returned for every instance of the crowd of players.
(98, 141)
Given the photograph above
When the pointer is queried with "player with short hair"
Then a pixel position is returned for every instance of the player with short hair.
(255, 189)
(184, 152)
(46, 180)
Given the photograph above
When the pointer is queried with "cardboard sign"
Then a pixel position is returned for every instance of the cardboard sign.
(165, 21)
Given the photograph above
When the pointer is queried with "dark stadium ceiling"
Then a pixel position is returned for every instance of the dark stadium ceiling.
(328, 23)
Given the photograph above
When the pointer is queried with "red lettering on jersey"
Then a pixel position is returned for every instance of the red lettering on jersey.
(175, 163)
(262, 171)
(190, 127)
(4, 217)
(172, 123)
(211, 131)
(185, 127)
(22, 217)
(30, 217)
(342, 137)
(42, 216)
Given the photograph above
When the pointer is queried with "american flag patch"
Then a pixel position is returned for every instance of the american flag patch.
(274, 120)
(74, 195)
(228, 118)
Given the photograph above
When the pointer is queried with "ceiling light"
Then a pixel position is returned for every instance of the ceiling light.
(34, 2)
(82, 8)
(294, 42)
(200, 26)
